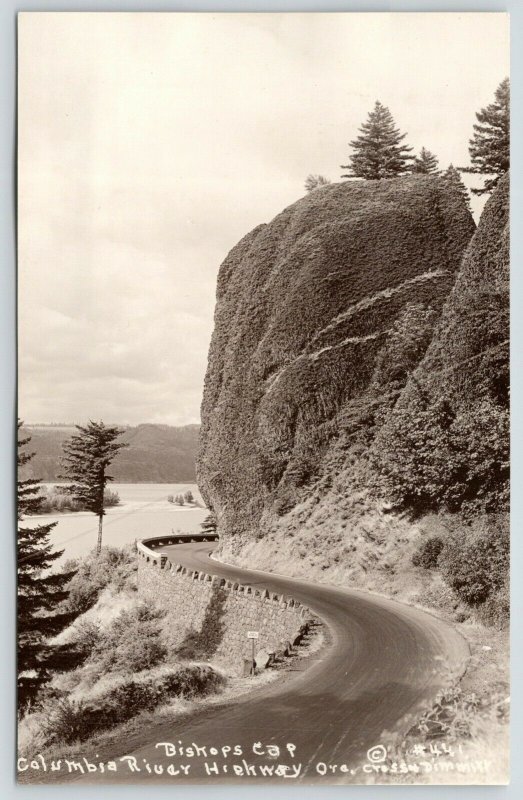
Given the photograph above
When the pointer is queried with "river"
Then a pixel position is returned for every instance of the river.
(143, 511)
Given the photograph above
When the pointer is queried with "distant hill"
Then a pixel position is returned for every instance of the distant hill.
(156, 453)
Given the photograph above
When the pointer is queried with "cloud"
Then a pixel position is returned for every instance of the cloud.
(151, 143)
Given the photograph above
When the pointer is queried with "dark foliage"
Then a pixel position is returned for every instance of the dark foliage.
(40, 591)
(131, 643)
(378, 150)
(209, 525)
(426, 163)
(307, 305)
(452, 175)
(446, 442)
(71, 721)
(475, 561)
(489, 147)
(87, 455)
(428, 553)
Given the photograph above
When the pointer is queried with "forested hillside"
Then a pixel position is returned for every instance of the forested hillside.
(156, 453)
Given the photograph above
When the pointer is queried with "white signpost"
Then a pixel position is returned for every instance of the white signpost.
(253, 635)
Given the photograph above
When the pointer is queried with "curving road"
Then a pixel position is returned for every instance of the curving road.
(384, 659)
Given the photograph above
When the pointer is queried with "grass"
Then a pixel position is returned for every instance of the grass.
(158, 722)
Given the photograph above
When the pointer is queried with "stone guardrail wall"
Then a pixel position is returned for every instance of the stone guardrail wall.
(217, 610)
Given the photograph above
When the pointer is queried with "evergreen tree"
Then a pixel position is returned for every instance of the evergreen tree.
(87, 455)
(378, 150)
(315, 182)
(489, 148)
(39, 592)
(426, 163)
(452, 175)
(209, 526)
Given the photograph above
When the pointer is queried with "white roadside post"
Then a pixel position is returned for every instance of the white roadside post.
(253, 635)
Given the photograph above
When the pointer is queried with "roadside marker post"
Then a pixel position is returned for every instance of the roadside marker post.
(253, 635)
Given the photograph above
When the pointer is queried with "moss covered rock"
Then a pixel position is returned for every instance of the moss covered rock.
(446, 443)
(309, 307)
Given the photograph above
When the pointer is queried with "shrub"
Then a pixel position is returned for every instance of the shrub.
(67, 720)
(475, 561)
(93, 573)
(496, 608)
(111, 498)
(131, 643)
(87, 637)
(188, 496)
(428, 552)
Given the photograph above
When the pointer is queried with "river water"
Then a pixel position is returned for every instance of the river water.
(143, 511)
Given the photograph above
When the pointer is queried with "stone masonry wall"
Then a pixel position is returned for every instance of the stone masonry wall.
(191, 599)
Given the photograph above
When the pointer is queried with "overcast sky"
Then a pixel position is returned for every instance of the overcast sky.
(149, 144)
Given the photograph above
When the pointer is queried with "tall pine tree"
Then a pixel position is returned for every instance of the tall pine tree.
(452, 175)
(86, 458)
(426, 163)
(489, 147)
(378, 151)
(40, 592)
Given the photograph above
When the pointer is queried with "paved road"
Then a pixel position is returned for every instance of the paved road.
(384, 659)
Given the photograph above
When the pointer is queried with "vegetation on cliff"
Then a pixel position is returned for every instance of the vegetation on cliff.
(446, 442)
(321, 317)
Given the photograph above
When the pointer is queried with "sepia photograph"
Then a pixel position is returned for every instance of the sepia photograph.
(263, 268)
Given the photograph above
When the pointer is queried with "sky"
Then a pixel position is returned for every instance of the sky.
(149, 144)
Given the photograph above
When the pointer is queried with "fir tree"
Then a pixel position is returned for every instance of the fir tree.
(209, 525)
(39, 591)
(426, 163)
(378, 150)
(489, 148)
(86, 458)
(452, 175)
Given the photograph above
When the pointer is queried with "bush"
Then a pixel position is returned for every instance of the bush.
(87, 637)
(430, 456)
(94, 572)
(188, 496)
(496, 608)
(428, 552)
(475, 561)
(69, 720)
(131, 643)
(111, 499)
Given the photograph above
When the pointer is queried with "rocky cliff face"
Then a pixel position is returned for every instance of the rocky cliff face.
(445, 443)
(320, 314)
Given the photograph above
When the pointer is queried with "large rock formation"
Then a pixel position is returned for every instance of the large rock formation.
(311, 308)
(446, 442)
